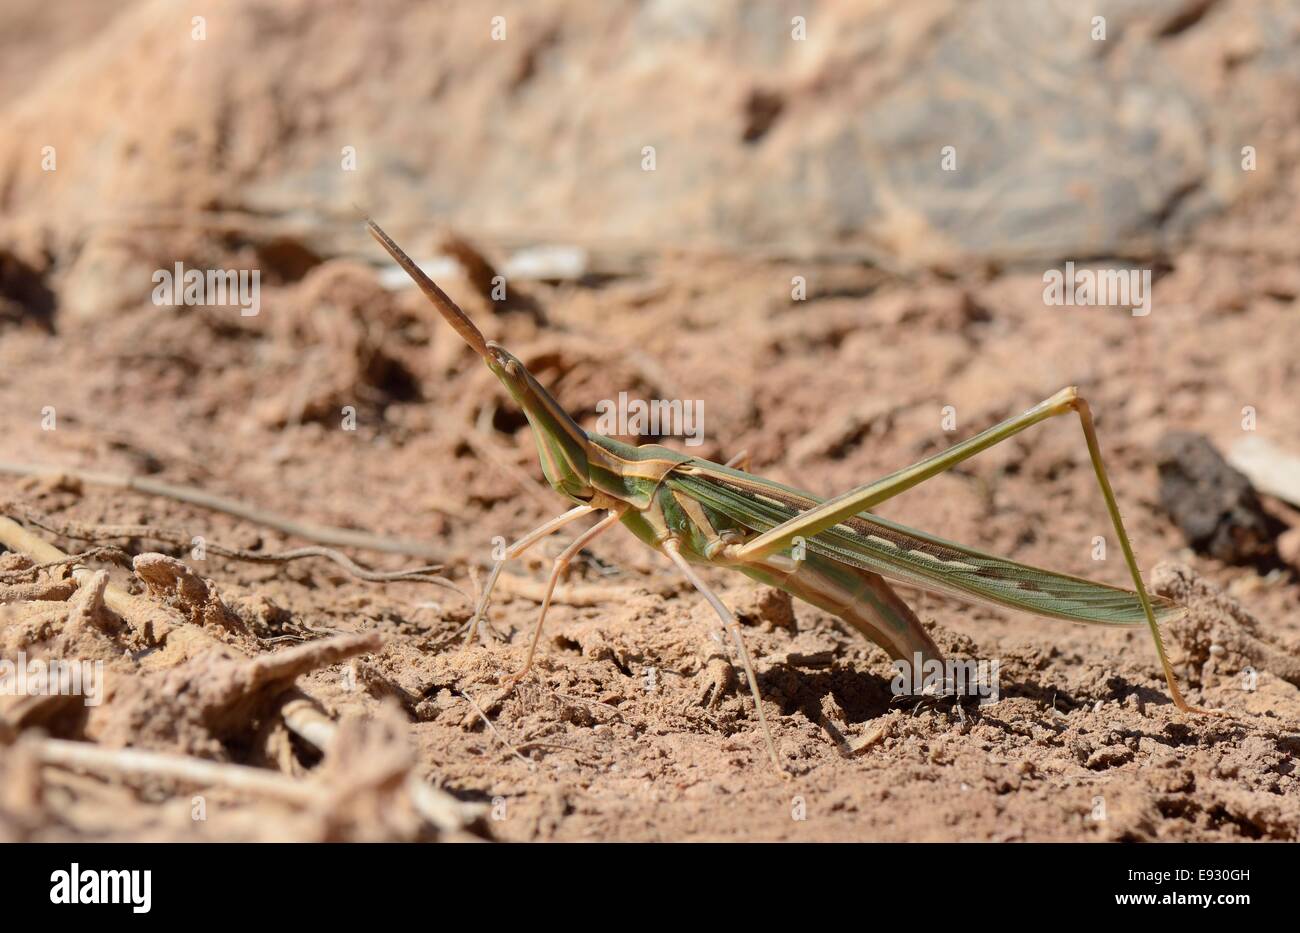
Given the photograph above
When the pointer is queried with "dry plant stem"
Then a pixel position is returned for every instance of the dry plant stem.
(140, 763)
(94, 553)
(293, 662)
(413, 575)
(582, 595)
(443, 811)
(38, 591)
(181, 539)
(321, 534)
(305, 718)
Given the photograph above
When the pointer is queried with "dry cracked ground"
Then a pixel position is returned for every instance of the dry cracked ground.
(344, 402)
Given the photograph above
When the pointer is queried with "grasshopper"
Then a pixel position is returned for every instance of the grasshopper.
(831, 553)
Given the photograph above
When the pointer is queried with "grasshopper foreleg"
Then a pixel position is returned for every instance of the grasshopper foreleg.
(513, 551)
(561, 565)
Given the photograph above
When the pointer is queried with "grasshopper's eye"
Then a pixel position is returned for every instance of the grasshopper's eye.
(504, 360)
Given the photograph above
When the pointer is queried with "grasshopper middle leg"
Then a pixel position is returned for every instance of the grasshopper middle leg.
(732, 626)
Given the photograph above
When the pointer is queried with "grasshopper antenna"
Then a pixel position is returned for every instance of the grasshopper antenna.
(450, 311)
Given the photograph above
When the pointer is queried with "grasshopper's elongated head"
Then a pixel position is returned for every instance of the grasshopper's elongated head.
(561, 443)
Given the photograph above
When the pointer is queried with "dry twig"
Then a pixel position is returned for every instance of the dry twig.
(321, 534)
(135, 762)
(83, 532)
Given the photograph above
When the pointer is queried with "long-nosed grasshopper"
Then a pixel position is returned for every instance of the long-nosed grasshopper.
(831, 553)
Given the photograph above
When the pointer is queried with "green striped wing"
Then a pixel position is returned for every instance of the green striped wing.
(914, 557)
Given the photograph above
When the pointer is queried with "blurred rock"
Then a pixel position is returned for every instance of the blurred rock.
(1063, 145)
(1213, 505)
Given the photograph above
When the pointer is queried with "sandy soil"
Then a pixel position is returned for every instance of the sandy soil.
(633, 724)
(857, 383)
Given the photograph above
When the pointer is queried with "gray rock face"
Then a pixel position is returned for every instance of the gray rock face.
(1064, 146)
